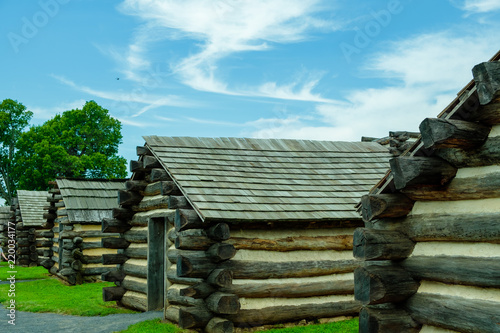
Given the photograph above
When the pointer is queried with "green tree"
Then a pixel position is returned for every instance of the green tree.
(13, 120)
(77, 143)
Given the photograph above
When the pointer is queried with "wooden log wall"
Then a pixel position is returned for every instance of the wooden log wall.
(76, 251)
(431, 260)
(5, 215)
(33, 243)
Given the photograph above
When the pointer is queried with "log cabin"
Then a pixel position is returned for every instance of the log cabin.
(430, 248)
(224, 232)
(32, 241)
(5, 215)
(77, 207)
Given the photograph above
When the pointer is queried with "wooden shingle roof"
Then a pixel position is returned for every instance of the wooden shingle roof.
(89, 200)
(271, 179)
(31, 204)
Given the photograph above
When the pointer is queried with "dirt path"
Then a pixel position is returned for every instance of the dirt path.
(28, 322)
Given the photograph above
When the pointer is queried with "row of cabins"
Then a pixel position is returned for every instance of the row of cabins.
(244, 232)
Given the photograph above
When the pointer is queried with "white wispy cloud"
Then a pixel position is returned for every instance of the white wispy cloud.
(478, 6)
(46, 113)
(222, 28)
(150, 101)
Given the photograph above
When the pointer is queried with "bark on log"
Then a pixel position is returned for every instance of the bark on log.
(49, 216)
(385, 205)
(383, 284)
(295, 289)
(479, 272)
(455, 313)
(223, 303)
(296, 243)
(113, 259)
(487, 154)
(128, 198)
(414, 170)
(373, 320)
(187, 219)
(450, 133)
(175, 202)
(487, 78)
(114, 243)
(219, 325)
(280, 314)
(372, 244)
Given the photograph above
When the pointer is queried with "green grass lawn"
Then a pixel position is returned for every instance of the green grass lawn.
(155, 325)
(51, 295)
(23, 273)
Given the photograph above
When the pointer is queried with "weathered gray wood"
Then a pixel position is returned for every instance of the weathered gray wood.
(479, 272)
(220, 277)
(136, 235)
(487, 78)
(135, 185)
(219, 232)
(470, 188)
(136, 252)
(173, 278)
(114, 275)
(135, 270)
(451, 133)
(377, 284)
(295, 243)
(373, 320)
(150, 162)
(199, 290)
(192, 239)
(128, 198)
(122, 213)
(455, 313)
(159, 174)
(194, 317)
(114, 226)
(187, 219)
(288, 313)
(219, 325)
(175, 201)
(415, 170)
(385, 205)
(113, 259)
(135, 284)
(156, 263)
(137, 301)
(49, 216)
(114, 243)
(487, 154)
(175, 298)
(223, 303)
(370, 244)
(143, 150)
(163, 188)
(84, 234)
(136, 166)
(220, 252)
(436, 227)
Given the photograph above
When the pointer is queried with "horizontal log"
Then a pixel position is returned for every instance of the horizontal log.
(136, 235)
(151, 203)
(174, 297)
(451, 133)
(219, 325)
(143, 150)
(162, 188)
(385, 205)
(136, 166)
(176, 201)
(264, 269)
(487, 154)
(372, 244)
(220, 252)
(173, 278)
(487, 79)
(135, 268)
(187, 219)
(436, 227)
(373, 320)
(141, 219)
(49, 216)
(199, 290)
(479, 272)
(113, 259)
(128, 198)
(114, 243)
(135, 284)
(137, 250)
(113, 275)
(218, 232)
(455, 313)
(220, 277)
(188, 317)
(289, 313)
(122, 213)
(135, 300)
(223, 303)
(377, 284)
(66, 234)
(77, 265)
(150, 162)
(159, 174)
(135, 185)
(295, 243)
(291, 289)
(44, 233)
(114, 226)
(193, 239)
(415, 170)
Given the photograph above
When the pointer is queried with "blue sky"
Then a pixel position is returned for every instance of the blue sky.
(305, 69)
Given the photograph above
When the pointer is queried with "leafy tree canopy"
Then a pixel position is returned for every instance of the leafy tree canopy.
(77, 143)
(13, 120)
